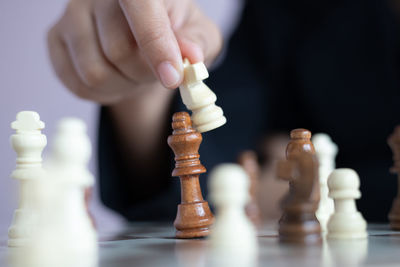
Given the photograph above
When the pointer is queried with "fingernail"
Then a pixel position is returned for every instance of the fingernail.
(168, 74)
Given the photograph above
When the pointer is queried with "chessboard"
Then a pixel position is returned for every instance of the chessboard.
(154, 244)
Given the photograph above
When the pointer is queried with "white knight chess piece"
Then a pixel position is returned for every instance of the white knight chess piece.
(199, 98)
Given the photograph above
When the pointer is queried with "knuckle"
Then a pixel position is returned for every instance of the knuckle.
(117, 52)
(70, 9)
(149, 39)
(218, 41)
(94, 75)
(81, 92)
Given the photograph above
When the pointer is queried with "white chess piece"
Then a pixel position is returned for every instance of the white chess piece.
(53, 243)
(346, 222)
(67, 167)
(28, 143)
(326, 152)
(232, 231)
(199, 98)
(71, 150)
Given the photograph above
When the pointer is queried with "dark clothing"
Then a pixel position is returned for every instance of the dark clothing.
(329, 66)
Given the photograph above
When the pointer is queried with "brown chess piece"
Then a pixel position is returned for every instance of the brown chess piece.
(394, 143)
(298, 223)
(300, 141)
(249, 161)
(194, 216)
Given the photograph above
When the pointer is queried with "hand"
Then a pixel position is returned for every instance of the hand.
(106, 51)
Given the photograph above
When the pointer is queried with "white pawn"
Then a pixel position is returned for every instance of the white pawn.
(346, 222)
(71, 150)
(326, 152)
(67, 166)
(232, 231)
(49, 246)
(28, 143)
(199, 98)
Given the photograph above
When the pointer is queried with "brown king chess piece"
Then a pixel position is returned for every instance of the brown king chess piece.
(194, 216)
(394, 143)
(298, 223)
(249, 161)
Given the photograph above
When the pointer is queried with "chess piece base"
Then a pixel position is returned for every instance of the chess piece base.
(193, 220)
(211, 125)
(21, 229)
(354, 235)
(18, 242)
(309, 239)
(308, 232)
(299, 225)
(347, 226)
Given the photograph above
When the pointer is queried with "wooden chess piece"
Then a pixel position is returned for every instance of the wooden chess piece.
(298, 223)
(249, 161)
(300, 141)
(194, 216)
(394, 143)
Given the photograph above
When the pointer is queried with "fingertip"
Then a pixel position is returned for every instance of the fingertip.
(191, 50)
(169, 75)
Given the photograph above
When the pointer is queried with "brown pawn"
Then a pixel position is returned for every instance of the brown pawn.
(394, 143)
(298, 223)
(249, 161)
(194, 216)
(300, 141)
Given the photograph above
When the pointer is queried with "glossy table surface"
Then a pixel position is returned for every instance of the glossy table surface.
(154, 245)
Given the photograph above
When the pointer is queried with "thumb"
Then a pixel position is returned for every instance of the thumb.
(151, 27)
